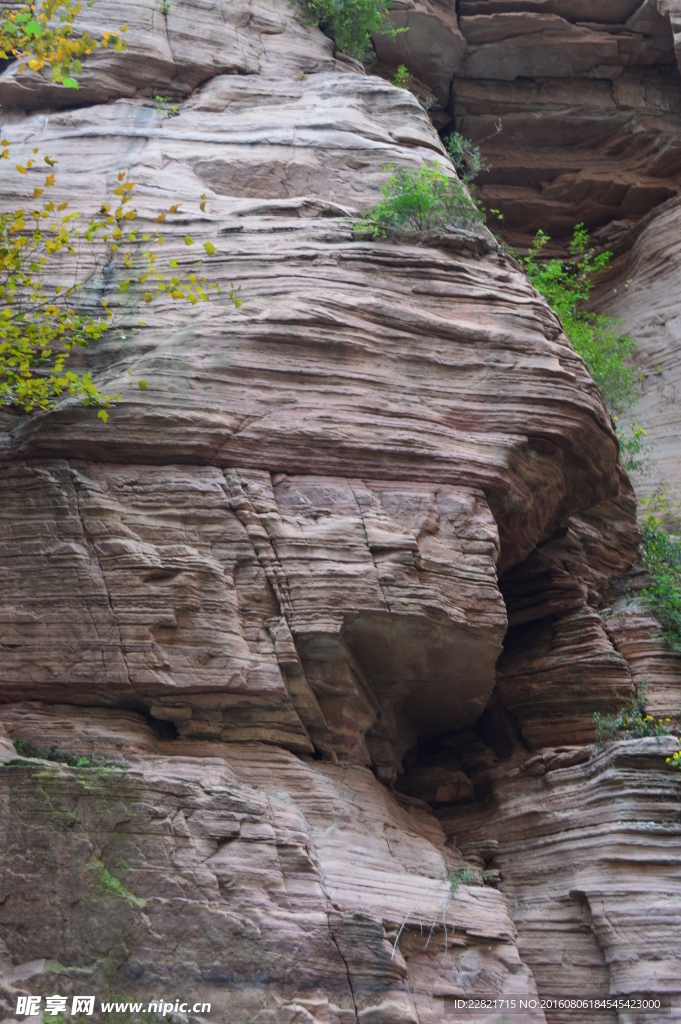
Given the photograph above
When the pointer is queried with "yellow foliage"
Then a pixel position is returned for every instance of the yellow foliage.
(40, 325)
(43, 36)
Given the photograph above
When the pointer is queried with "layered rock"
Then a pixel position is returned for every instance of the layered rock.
(559, 666)
(580, 849)
(644, 296)
(225, 880)
(588, 95)
(281, 575)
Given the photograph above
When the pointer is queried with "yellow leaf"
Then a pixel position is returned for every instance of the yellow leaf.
(142, 384)
(121, 174)
(161, 217)
(21, 170)
(175, 208)
(49, 180)
(103, 415)
(37, 192)
(62, 206)
(209, 247)
(49, 161)
(188, 240)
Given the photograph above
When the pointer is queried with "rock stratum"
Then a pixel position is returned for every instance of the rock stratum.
(335, 598)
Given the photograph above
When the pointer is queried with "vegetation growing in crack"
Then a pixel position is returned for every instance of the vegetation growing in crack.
(53, 283)
(465, 875)
(110, 885)
(660, 554)
(26, 749)
(566, 285)
(402, 78)
(631, 721)
(466, 157)
(42, 35)
(675, 760)
(420, 200)
(165, 107)
(350, 23)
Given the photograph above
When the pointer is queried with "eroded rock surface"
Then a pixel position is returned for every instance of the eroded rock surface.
(588, 96)
(267, 606)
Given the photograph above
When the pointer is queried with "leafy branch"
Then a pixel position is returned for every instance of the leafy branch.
(39, 35)
(420, 201)
(350, 23)
(566, 285)
(48, 304)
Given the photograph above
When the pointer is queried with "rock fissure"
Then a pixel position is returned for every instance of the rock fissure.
(93, 549)
(354, 541)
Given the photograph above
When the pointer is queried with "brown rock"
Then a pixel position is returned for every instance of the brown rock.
(227, 881)
(572, 841)
(277, 565)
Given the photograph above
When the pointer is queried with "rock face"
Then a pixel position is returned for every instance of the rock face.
(647, 302)
(285, 631)
(588, 95)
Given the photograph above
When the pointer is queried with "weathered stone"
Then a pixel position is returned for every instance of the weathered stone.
(278, 581)
(572, 841)
(226, 881)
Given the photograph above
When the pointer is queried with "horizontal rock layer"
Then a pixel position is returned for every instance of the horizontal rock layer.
(587, 96)
(226, 880)
(294, 555)
(572, 841)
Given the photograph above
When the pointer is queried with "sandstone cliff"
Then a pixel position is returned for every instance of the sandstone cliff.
(326, 595)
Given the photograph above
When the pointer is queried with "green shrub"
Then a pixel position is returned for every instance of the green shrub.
(464, 876)
(420, 201)
(566, 285)
(42, 35)
(466, 157)
(350, 23)
(631, 721)
(661, 556)
(26, 749)
(402, 78)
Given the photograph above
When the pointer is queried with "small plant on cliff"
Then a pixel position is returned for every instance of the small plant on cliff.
(466, 157)
(660, 554)
(26, 749)
(631, 721)
(675, 760)
(420, 201)
(165, 107)
(402, 78)
(566, 285)
(53, 276)
(463, 876)
(40, 35)
(350, 23)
